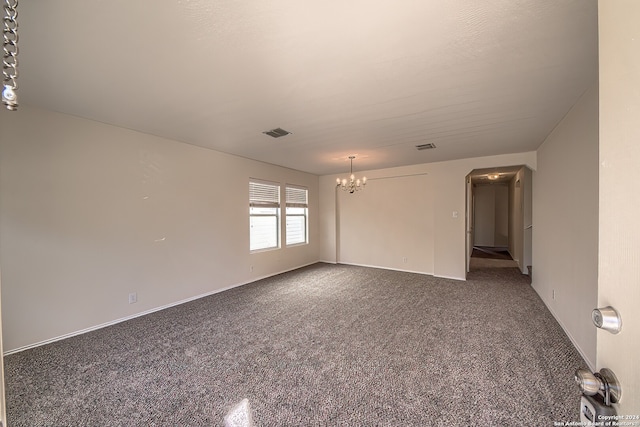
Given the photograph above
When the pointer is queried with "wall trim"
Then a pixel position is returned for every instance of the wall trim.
(144, 313)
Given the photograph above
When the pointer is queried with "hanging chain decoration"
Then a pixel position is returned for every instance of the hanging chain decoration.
(10, 56)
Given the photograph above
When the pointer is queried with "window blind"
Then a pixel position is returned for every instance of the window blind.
(264, 215)
(296, 197)
(296, 201)
(264, 195)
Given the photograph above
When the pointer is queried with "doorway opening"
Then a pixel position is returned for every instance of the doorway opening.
(498, 218)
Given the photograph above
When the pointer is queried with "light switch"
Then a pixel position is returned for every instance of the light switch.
(454, 214)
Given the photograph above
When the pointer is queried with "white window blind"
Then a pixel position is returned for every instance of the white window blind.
(264, 215)
(297, 197)
(264, 195)
(296, 215)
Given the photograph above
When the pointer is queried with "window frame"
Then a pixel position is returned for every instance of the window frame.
(261, 199)
(295, 201)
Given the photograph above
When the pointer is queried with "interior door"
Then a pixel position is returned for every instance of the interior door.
(469, 221)
(3, 410)
(619, 203)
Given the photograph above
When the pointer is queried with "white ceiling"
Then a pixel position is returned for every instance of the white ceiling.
(370, 78)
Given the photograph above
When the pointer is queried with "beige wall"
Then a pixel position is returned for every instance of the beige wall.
(405, 212)
(501, 238)
(527, 203)
(484, 212)
(520, 218)
(516, 217)
(565, 219)
(619, 267)
(491, 215)
(90, 213)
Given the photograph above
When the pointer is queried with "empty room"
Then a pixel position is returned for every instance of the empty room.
(263, 213)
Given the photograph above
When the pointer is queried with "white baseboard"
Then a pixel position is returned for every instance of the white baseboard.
(144, 313)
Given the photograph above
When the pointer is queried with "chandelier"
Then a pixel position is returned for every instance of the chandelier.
(10, 55)
(352, 184)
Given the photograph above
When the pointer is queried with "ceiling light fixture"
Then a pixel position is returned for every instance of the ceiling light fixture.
(493, 176)
(352, 184)
(277, 132)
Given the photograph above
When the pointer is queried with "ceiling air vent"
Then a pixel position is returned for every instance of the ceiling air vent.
(428, 146)
(277, 132)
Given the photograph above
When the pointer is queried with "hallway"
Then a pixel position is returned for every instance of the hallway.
(485, 257)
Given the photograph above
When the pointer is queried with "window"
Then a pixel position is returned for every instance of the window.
(296, 214)
(264, 215)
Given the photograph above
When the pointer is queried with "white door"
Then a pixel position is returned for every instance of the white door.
(469, 220)
(3, 411)
(619, 228)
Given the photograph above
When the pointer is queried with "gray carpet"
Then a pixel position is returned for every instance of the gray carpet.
(323, 345)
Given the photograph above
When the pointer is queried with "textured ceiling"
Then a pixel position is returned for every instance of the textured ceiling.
(372, 79)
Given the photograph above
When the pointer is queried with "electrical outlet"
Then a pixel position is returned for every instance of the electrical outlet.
(404, 259)
(133, 298)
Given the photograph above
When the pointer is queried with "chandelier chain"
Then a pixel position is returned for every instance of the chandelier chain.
(10, 54)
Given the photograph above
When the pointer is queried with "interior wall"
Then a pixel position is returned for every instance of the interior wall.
(491, 215)
(501, 237)
(419, 214)
(565, 218)
(373, 224)
(328, 226)
(485, 215)
(516, 216)
(527, 244)
(90, 213)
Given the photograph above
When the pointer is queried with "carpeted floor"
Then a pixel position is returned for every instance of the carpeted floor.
(323, 345)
